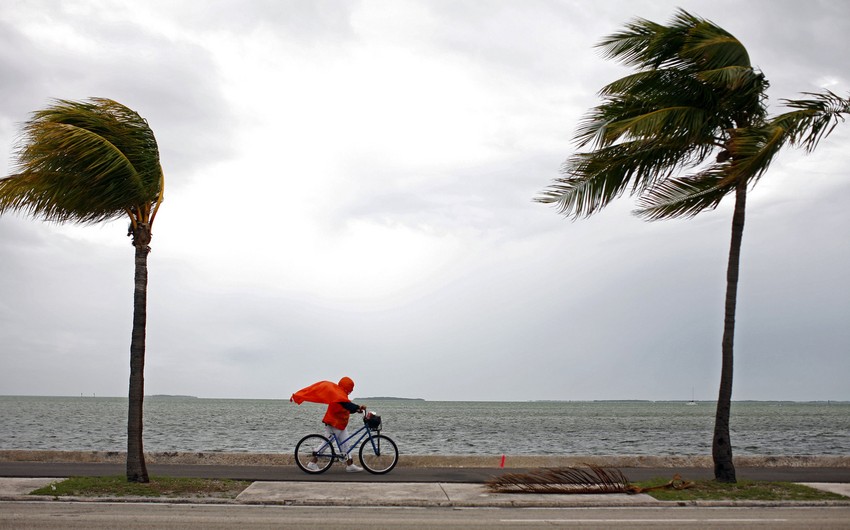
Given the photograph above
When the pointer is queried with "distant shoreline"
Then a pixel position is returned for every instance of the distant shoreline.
(386, 398)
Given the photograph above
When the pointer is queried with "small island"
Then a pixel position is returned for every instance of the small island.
(386, 398)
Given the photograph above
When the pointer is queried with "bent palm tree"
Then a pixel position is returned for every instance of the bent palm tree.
(694, 103)
(88, 162)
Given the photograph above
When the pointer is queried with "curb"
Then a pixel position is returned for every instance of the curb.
(119, 500)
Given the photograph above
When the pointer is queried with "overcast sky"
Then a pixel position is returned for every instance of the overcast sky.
(349, 191)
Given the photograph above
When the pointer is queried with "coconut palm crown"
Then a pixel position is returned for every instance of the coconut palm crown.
(694, 86)
(86, 162)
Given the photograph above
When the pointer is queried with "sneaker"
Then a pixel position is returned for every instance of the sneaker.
(351, 468)
(312, 466)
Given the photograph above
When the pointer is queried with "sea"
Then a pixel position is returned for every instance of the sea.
(663, 428)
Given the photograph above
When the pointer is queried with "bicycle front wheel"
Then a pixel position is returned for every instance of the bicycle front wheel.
(378, 454)
(314, 454)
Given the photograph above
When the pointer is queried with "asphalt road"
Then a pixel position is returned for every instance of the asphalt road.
(399, 474)
(129, 516)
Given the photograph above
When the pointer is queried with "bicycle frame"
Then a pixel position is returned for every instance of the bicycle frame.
(359, 434)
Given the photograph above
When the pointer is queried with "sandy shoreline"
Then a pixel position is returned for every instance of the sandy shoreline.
(269, 459)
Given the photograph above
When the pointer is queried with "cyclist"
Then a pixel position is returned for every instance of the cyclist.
(340, 407)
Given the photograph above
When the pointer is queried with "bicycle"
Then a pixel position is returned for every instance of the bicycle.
(378, 452)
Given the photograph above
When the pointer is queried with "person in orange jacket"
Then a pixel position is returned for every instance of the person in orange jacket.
(336, 417)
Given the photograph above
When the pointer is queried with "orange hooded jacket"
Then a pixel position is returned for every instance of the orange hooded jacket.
(332, 394)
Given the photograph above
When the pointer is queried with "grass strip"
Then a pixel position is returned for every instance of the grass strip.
(743, 490)
(170, 487)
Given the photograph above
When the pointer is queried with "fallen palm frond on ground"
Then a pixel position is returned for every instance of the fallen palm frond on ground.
(594, 479)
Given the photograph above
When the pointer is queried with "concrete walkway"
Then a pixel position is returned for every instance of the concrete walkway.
(418, 494)
(382, 494)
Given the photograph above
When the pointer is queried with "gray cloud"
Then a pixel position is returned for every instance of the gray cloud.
(312, 22)
(174, 84)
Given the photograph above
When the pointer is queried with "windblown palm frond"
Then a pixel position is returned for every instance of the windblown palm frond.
(84, 162)
(644, 44)
(632, 46)
(592, 180)
(709, 46)
(734, 78)
(750, 153)
(674, 121)
(685, 196)
(814, 118)
(688, 42)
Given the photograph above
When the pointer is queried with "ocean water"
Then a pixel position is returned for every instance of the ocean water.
(431, 427)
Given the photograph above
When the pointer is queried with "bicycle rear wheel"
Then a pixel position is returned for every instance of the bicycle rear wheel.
(378, 454)
(314, 449)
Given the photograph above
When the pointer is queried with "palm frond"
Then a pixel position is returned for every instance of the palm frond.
(668, 121)
(711, 47)
(632, 83)
(813, 119)
(630, 46)
(686, 196)
(753, 149)
(750, 152)
(687, 42)
(662, 105)
(592, 180)
(647, 45)
(730, 78)
(594, 479)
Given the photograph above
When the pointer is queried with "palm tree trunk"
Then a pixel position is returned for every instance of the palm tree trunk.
(136, 469)
(721, 447)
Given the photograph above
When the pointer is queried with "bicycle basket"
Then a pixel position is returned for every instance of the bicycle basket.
(373, 421)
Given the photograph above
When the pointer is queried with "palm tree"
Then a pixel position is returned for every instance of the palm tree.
(694, 103)
(88, 162)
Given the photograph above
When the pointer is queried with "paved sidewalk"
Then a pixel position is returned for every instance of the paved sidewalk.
(385, 494)
(418, 494)
(11, 487)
